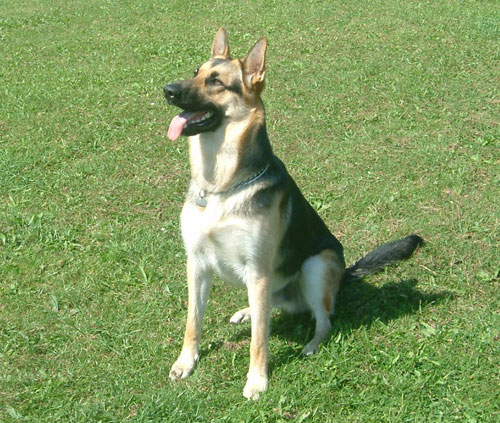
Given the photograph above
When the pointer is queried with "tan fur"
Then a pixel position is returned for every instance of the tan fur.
(333, 276)
(220, 46)
(242, 248)
(215, 157)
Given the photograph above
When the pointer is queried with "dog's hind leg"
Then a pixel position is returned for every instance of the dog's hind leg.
(241, 316)
(320, 281)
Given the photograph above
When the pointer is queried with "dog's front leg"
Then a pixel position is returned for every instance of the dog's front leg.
(199, 282)
(259, 298)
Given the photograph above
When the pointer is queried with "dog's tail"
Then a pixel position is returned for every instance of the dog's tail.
(383, 256)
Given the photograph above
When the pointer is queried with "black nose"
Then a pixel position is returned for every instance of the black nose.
(172, 92)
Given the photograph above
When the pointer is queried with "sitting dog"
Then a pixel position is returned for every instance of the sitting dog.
(244, 218)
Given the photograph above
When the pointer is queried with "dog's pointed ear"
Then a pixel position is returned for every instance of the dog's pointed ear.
(254, 64)
(220, 46)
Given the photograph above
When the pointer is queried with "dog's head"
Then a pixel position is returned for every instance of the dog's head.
(220, 89)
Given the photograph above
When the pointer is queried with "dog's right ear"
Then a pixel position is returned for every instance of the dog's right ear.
(220, 46)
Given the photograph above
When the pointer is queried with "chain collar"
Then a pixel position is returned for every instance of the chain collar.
(202, 200)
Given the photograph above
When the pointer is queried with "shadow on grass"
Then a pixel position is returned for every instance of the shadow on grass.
(358, 304)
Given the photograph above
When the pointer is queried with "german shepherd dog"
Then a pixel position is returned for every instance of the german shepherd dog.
(244, 218)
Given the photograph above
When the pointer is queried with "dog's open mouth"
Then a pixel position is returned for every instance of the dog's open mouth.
(192, 123)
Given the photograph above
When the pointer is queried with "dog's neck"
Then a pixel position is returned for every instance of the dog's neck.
(227, 156)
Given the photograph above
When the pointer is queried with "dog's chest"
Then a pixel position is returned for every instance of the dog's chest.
(219, 241)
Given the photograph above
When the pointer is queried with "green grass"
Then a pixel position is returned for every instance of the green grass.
(387, 114)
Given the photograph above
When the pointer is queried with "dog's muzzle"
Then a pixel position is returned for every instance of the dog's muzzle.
(172, 92)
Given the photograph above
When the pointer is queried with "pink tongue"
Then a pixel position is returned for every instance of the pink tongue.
(179, 121)
(177, 125)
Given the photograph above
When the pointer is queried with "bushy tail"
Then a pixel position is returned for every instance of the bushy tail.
(383, 256)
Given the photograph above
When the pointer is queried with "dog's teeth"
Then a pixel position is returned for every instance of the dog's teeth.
(207, 116)
(204, 117)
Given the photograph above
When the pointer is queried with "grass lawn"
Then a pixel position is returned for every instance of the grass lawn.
(387, 114)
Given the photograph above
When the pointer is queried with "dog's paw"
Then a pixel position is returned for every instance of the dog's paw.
(254, 386)
(182, 368)
(241, 316)
(310, 349)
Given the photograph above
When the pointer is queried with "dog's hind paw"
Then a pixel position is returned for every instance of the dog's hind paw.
(241, 316)
(310, 349)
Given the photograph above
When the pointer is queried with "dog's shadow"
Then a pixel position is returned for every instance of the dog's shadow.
(358, 304)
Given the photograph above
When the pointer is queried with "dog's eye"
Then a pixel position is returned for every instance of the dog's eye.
(215, 81)
(195, 72)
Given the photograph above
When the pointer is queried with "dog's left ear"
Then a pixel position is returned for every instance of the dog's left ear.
(220, 46)
(254, 65)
